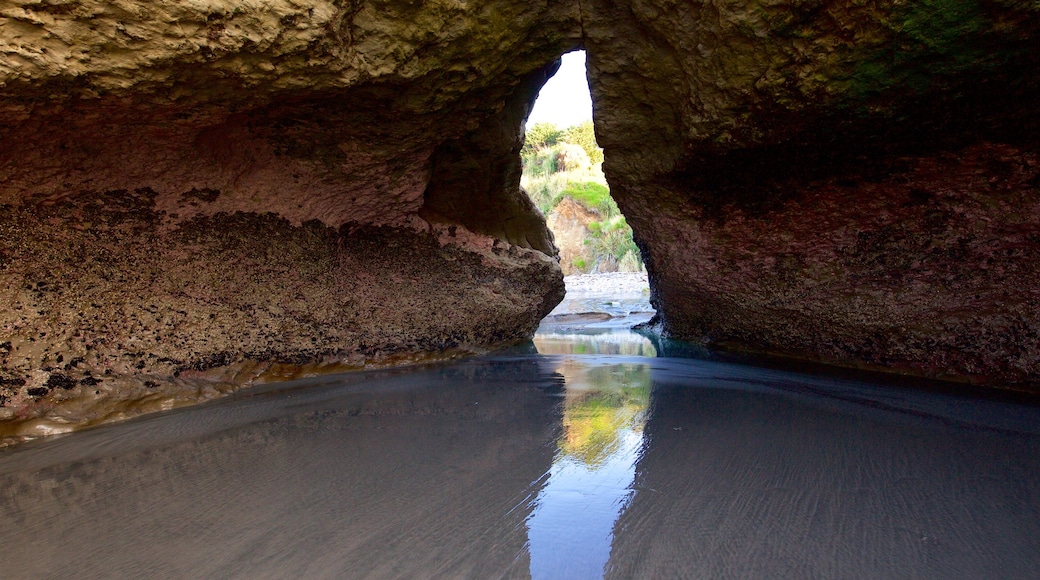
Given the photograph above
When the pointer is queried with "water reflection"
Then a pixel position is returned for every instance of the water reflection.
(589, 341)
(546, 466)
(590, 482)
(406, 474)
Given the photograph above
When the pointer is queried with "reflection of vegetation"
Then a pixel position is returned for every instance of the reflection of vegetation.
(606, 343)
(595, 420)
(567, 163)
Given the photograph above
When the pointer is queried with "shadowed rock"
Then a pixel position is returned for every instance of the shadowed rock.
(213, 186)
(840, 182)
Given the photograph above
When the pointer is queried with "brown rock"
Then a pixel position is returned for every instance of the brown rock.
(200, 185)
(569, 222)
(228, 299)
(846, 182)
(244, 191)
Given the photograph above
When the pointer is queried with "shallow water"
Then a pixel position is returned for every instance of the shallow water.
(544, 466)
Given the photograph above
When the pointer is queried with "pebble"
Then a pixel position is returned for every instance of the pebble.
(608, 283)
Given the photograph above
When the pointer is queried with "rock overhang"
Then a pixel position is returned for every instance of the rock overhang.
(739, 139)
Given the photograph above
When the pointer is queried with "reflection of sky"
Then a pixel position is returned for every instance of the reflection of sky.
(571, 527)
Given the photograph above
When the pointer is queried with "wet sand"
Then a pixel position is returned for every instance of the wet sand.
(615, 300)
(545, 466)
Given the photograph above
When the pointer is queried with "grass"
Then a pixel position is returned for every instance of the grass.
(553, 170)
(593, 195)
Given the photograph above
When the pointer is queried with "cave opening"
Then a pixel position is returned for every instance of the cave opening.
(607, 291)
(563, 176)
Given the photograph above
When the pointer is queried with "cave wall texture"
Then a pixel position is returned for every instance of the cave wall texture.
(843, 181)
(202, 193)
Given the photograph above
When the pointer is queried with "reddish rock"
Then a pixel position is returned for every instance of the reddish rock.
(843, 182)
(569, 222)
(305, 183)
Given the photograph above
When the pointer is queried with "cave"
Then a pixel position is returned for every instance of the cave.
(199, 197)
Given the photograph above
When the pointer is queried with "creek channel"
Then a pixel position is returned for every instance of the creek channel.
(585, 454)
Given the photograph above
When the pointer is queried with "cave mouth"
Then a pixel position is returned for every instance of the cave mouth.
(563, 176)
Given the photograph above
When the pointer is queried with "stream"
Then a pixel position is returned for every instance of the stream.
(581, 455)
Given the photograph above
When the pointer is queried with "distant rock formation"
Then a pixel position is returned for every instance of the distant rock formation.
(569, 221)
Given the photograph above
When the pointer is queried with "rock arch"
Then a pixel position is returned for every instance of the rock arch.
(241, 190)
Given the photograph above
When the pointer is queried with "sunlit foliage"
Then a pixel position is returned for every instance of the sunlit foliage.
(567, 163)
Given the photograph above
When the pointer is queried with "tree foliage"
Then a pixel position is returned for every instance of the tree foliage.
(541, 135)
(562, 163)
(584, 135)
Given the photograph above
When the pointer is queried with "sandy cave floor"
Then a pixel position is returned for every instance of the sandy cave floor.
(614, 299)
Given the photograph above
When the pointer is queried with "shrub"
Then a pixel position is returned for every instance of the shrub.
(592, 195)
(541, 135)
(548, 171)
(584, 135)
(545, 191)
(558, 163)
(611, 239)
(570, 157)
(630, 262)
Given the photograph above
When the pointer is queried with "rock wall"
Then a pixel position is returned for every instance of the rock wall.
(237, 186)
(197, 196)
(838, 181)
(569, 222)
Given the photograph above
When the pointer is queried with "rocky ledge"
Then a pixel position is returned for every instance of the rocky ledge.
(199, 196)
(109, 317)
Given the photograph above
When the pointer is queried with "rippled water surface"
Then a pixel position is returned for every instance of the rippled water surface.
(610, 463)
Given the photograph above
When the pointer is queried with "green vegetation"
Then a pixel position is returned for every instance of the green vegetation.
(931, 42)
(584, 136)
(612, 237)
(595, 419)
(567, 164)
(591, 194)
(540, 136)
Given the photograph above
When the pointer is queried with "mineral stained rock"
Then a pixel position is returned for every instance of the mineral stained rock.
(848, 182)
(240, 188)
(200, 195)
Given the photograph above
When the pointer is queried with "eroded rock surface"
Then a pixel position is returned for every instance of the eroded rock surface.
(849, 182)
(569, 221)
(217, 185)
(108, 310)
(197, 195)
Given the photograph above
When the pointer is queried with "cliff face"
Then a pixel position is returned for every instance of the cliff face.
(839, 181)
(200, 195)
(190, 187)
(569, 222)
